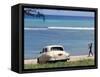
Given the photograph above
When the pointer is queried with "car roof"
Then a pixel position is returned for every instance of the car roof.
(50, 46)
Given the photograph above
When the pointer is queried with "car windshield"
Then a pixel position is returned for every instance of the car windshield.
(56, 49)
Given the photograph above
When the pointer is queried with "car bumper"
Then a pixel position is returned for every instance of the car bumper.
(59, 59)
(53, 61)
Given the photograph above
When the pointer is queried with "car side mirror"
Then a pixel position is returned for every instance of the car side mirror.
(40, 52)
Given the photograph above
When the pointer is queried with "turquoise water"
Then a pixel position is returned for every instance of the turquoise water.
(76, 22)
(74, 41)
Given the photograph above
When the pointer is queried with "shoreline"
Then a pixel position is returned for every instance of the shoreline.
(72, 58)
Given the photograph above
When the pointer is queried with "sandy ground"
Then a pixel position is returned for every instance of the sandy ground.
(32, 61)
(72, 58)
(81, 57)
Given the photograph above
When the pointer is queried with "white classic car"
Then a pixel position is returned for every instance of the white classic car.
(53, 53)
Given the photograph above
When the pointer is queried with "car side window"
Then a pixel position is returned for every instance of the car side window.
(45, 49)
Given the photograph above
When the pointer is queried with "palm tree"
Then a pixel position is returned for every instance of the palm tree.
(34, 13)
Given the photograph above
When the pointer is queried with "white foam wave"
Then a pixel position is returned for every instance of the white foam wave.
(61, 28)
(73, 28)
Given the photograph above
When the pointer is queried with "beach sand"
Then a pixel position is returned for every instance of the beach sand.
(72, 58)
(81, 57)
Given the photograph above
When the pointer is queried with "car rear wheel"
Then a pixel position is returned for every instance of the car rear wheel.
(38, 60)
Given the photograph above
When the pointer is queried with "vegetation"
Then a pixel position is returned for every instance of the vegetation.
(85, 62)
(34, 13)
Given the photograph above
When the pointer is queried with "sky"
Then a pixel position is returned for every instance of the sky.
(63, 12)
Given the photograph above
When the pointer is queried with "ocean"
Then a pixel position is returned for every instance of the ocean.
(73, 32)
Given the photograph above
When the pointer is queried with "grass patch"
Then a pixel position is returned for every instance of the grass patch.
(85, 62)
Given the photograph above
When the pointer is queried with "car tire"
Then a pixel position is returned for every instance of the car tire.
(38, 60)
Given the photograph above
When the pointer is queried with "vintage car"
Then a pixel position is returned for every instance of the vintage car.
(53, 53)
